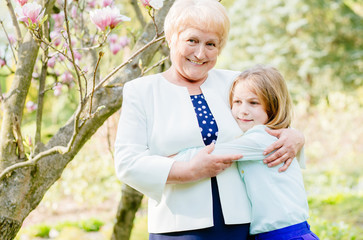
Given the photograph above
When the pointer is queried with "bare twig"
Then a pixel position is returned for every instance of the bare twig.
(72, 53)
(100, 55)
(155, 40)
(1, 94)
(97, 46)
(143, 72)
(11, 46)
(15, 22)
(41, 92)
(109, 145)
(152, 15)
(46, 42)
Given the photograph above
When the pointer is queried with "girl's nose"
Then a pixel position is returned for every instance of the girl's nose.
(243, 110)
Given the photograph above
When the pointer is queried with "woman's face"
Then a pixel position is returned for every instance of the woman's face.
(194, 53)
(247, 108)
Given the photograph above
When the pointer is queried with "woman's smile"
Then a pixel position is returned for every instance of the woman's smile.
(194, 53)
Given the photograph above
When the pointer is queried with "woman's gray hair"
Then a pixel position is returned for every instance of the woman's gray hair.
(205, 15)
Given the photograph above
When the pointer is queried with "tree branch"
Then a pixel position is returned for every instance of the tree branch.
(161, 61)
(7, 36)
(15, 22)
(33, 161)
(42, 78)
(72, 53)
(155, 40)
(100, 55)
(138, 12)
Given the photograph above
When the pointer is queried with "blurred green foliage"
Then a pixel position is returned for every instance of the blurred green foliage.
(316, 44)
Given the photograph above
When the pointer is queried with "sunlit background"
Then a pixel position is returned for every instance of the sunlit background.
(318, 47)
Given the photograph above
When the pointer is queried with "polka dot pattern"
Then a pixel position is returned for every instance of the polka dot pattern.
(207, 124)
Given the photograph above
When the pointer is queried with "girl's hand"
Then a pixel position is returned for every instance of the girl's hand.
(289, 143)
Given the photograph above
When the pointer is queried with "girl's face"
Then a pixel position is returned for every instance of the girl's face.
(194, 53)
(247, 108)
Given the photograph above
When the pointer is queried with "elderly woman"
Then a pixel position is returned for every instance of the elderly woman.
(183, 107)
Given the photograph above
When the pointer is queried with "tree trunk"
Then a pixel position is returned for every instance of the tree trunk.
(128, 206)
(8, 228)
(23, 189)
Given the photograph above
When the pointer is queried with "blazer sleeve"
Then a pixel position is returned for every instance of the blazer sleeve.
(251, 145)
(134, 164)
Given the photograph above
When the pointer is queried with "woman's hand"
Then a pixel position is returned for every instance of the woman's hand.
(289, 143)
(202, 165)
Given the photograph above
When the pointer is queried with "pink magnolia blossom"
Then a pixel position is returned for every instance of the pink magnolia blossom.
(74, 12)
(107, 17)
(145, 3)
(67, 77)
(77, 55)
(51, 62)
(61, 57)
(156, 4)
(115, 48)
(31, 106)
(106, 3)
(124, 41)
(2, 62)
(92, 3)
(113, 38)
(58, 19)
(35, 75)
(32, 11)
(29, 141)
(57, 89)
(56, 37)
(12, 39)
(116, 43)
(22, 2)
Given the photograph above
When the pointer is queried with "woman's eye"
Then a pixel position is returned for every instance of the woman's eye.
(211, 44)
(237, 101)
(191, 41)
(254, 103)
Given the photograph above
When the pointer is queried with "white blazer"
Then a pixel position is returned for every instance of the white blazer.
(158, 120)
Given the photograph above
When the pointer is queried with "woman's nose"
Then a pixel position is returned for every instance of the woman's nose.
(200, 52)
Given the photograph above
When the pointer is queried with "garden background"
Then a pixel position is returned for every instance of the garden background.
(316, 44)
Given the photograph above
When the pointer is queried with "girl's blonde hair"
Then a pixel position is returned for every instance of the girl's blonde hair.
(205, 15)
(271, 89)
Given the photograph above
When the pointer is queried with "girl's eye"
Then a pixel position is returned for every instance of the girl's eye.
(255, 103)
(192, 41)
(237, 101)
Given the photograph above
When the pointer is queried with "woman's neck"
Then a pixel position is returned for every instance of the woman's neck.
(174, 77)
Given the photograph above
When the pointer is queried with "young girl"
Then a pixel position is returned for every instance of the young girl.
(259, 99)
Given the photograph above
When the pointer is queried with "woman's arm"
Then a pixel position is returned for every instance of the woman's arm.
(202, 164)
(134, 163)
(289, 144)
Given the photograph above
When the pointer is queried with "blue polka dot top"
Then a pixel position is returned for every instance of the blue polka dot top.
(207, 123)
